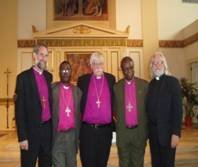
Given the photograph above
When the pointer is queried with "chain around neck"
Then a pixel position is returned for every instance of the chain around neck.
(98, 93)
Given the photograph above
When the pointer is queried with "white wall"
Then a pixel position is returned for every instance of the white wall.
(190, 29)
(128, 12)
(31, 12)
(191, 52)
(173, 16)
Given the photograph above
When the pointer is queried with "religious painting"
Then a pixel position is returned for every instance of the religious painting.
(80, 9)
(80, 64)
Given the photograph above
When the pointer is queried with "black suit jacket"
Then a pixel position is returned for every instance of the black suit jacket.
(28, 105)
(164, 108)
(83, 84)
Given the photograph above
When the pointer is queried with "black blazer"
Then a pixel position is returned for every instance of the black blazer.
(28, 105)
(83, 84)
(164, 108)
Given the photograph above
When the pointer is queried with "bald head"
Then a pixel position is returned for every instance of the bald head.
(126, 59)
(65, 72)
(127, 66)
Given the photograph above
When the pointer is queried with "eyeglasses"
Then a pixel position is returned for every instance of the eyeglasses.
(157, 63)
(97, 63)
(64, 71)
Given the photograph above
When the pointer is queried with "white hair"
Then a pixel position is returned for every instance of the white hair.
(163, 59)
(96, 58)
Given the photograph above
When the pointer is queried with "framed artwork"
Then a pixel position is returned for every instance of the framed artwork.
(80, 9)
(80, 64)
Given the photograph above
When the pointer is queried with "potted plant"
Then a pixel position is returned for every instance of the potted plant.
(190, 99)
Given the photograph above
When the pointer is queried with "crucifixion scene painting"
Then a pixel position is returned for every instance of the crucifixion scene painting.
(80, 9)
(80, 64)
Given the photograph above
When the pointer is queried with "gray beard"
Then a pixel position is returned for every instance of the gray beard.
(158, 73)
(98, 72)
(41, 65)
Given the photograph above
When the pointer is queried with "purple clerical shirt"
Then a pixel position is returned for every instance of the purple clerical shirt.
(131, 117)
(44, 96)
(66, 109)
(98, 105)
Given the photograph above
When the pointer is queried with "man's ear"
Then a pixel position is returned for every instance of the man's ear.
(33, 56)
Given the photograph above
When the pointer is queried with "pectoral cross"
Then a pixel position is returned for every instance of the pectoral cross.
(43, 100)
(68, 110)
(98, 103)
(129, 107)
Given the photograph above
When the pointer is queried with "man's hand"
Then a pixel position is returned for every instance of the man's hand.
(24, 145)
(174, 141)
(115, 119)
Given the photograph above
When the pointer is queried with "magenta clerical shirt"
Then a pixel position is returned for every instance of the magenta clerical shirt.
(66, 109)
(131, 113)
(98, 105)
(44, 96)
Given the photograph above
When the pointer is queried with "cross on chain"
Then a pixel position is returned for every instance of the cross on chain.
(129, 107)
(98, 103)
(68, 110)
(43, 100)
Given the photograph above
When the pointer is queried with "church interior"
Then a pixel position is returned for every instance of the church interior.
(135, 28)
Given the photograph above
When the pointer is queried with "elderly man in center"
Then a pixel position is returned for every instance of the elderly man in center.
(96, 110)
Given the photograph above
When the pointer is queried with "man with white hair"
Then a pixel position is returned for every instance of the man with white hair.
(96, 108)
(164, 108)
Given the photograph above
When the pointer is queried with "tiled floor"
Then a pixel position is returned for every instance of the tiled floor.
(187, 152)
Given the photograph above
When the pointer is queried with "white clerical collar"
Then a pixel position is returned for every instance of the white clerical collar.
(38, 71)
(129, 82)
(157, 78)
(66, 87)
(98, 77)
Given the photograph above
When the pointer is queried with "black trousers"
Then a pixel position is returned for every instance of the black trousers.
(39, 148)
(161, 156)
(95, 144)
